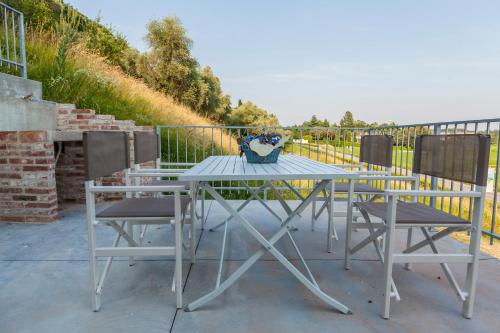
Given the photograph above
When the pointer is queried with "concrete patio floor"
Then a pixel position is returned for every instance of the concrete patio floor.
(44, 284)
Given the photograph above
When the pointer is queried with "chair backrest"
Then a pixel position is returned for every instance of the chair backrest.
(146, 147)
(460, 157)
(376, 149)
(105, 153)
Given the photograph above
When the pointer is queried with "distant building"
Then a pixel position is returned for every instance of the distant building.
(300, 141)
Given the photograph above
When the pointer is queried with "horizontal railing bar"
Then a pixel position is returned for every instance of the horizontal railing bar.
(491, 234)
(12, 62)
(486, 120)
(10, 8)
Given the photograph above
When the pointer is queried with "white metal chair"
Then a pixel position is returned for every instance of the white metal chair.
(461, 158)
(376, 156)
(104, 154)
(146, 149)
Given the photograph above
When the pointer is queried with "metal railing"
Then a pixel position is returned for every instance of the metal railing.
(12, 43)
(341, 145)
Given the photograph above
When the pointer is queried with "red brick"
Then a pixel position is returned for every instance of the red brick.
(79, 122)
(44, 161)
(9, 205)
(110, 128)
(37, 168)
(10, 175)
(40, 204)
(33, 136)
(11, 190)
(81, 111)
(12, 218)
(85, 116)
(35, 153)
(88, 127)
(38, 190)
(9, 136)
(24, 198)
(20, 161)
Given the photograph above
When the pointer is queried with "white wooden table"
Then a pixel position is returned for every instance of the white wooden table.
(288, 167)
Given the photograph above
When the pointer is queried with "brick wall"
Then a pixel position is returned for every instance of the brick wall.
(27, 177)
(32, 183)
(70, 173)
(70, 167)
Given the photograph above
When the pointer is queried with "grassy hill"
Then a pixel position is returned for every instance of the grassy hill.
(88, 81)
(82, 77)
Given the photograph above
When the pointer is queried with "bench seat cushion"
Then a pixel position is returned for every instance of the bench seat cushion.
(410, 212)
(143, 207)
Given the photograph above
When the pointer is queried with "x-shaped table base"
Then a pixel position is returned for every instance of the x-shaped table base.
(254, 194)
(268, 245)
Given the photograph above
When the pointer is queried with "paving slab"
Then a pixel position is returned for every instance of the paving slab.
(54, 296)
(269, 299)
(44, 278)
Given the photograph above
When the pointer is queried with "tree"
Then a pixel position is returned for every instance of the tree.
(249, 114)
(215, 104)
(347, 120)
(315, 122)
(168, 66)
(37, 14)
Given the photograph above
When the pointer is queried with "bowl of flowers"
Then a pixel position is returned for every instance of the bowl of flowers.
(263, 148)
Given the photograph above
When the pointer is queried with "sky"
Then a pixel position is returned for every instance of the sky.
(403, 61)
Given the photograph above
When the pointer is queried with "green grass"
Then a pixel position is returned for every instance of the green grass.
(89, 82)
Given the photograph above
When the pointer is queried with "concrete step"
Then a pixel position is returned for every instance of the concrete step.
(18, 87)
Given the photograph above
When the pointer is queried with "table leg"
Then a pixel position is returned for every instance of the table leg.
(331, 228)
(283, 203)
(269, 246)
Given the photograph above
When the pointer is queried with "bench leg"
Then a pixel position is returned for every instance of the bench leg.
(388, 256)
(130, 231)
(474, 250)
(408, 244)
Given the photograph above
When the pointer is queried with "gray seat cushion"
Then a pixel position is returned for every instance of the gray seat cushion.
(410, 212)
(163, 182)
(143, 207)
(358, 188)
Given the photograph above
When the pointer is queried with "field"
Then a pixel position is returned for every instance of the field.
(402, 160)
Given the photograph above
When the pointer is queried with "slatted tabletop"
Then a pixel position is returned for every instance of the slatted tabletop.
(288, 167)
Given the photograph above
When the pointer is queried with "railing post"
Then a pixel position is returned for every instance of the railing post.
(11, 47)
(434, 181)
(22, 46)
(158, 133)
